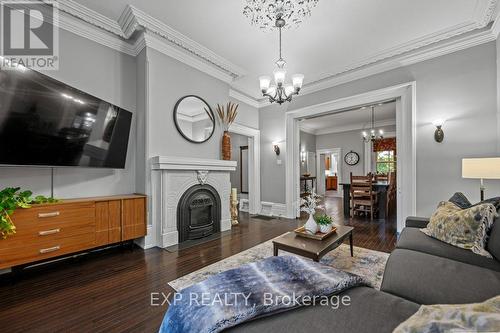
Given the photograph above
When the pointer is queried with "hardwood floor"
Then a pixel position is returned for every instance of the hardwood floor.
(379, 234)
(110, 290)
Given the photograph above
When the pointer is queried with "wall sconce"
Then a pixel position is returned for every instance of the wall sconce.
(439, 134)
(303, 156)
(276, 149)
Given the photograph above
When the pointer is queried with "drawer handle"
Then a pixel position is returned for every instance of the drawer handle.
(52, 214)
(50, 249)
(49, 232)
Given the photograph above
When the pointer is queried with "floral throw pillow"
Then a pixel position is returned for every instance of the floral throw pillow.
(477, 317)
(464, 228)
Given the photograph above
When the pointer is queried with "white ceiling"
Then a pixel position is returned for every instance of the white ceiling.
(357, 119)
(340, 34)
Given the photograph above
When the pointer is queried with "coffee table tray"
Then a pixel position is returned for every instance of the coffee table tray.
(317, 236)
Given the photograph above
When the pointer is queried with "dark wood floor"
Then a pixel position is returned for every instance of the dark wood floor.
(110, 291)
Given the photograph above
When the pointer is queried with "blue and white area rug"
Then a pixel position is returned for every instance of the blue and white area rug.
(366, 263)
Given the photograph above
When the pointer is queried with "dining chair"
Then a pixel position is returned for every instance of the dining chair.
(363, 197)
(381, 177)
(391, 193)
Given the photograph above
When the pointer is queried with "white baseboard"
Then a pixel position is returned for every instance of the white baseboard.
(146, 242)
(273, 209)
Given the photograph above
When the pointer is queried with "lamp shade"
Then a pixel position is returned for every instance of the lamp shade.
(481, 168)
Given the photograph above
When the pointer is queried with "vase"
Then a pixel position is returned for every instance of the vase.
(226, 146)
(311, 226)
(325, 228)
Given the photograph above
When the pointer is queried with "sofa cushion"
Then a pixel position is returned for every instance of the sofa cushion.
(413, 239)
(427, 279)
(465, 228)
(368, 309)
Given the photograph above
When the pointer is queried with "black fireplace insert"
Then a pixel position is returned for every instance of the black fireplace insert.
(198, 213)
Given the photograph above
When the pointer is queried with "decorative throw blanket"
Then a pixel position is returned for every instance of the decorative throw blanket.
(238, 295)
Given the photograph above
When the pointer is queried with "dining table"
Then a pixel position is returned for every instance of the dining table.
(380, 187)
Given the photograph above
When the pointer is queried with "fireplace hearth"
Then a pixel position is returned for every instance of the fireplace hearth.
(198, 213)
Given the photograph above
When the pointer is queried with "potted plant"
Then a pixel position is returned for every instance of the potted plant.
(12, 198)
(309, 204)
(325, 223)
(226, 118)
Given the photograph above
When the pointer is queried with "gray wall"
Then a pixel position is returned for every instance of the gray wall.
(307, 144)
(272, 179)
(104, 73)
(170, 80)
(460, 87)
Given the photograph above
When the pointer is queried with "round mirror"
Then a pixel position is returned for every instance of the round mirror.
(194, 119)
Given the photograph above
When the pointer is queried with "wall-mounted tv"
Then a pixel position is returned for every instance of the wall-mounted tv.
(44, 122)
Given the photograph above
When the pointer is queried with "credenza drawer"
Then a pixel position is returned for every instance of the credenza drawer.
(46, 233)
(48, 215)
(45, 248)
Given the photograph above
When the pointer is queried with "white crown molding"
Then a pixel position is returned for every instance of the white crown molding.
(307, 129)
(243, 98)
(133, 19)
(90, 24)
(485, 11)
(163, 46)
(355, 127)
(88, 15)
(455, 44)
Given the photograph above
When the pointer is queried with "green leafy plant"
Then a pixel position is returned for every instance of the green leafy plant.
(323, 219)
(12, 198)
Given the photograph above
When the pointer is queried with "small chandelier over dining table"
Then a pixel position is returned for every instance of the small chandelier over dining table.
(280, 92)
(373, 134)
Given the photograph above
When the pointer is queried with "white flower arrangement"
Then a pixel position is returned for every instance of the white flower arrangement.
(309, 203)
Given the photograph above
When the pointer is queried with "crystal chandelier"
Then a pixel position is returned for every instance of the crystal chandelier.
(373, 136)
(280, 92)
(264, 13)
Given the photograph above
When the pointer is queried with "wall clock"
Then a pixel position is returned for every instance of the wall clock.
(351, 158)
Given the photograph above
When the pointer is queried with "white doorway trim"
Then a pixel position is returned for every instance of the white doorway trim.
(254, 205)
(321, 177)
(405, 95)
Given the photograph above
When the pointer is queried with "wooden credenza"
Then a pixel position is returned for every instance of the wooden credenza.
(52, 230)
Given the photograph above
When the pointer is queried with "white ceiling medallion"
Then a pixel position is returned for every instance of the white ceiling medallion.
(264, 13)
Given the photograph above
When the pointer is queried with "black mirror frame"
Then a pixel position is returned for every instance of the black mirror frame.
(212, 118)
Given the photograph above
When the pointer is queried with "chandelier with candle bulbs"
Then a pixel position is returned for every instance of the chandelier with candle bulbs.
(372, 135)
(280, 92)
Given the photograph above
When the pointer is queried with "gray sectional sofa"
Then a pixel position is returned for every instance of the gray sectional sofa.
(421, 270)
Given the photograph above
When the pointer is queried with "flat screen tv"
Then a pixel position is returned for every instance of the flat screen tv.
(44, 122)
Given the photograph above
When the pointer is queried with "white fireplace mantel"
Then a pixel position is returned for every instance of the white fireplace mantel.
(189, 163)
(171, 177)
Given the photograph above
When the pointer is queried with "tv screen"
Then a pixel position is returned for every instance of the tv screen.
(44, 122)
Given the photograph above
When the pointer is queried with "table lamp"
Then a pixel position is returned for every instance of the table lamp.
(481, 168)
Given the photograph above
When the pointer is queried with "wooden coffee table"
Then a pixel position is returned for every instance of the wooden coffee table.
(311, 248)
